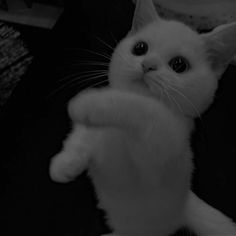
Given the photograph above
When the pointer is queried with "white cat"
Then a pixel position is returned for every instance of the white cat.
(133, 137)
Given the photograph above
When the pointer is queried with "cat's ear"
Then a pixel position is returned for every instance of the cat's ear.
(221, 45)
(145, 13)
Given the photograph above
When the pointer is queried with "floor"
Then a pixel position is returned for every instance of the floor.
(34, 123)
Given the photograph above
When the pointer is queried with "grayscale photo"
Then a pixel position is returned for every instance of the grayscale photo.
(117, 117)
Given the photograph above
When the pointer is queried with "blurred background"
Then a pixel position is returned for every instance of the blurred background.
(41, 13)
(43, 63)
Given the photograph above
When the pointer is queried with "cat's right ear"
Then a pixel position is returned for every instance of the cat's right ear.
(145, 13)
(221, 45)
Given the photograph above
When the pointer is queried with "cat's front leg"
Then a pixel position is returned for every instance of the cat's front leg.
(114, 108)
(74, 157)
(98, 107)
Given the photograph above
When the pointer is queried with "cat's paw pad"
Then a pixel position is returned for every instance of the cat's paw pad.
(64, 169)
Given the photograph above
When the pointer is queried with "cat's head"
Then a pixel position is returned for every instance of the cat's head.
(170, 61)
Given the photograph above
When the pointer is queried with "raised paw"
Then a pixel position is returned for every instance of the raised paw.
(65, 167)
(88, 107)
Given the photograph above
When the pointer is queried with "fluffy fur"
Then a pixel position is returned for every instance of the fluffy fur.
(133, 137)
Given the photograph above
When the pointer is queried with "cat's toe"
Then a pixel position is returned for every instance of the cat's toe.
(59, 169)
(66, 166)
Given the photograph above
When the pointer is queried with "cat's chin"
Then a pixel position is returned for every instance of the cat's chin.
(141, 87)
(155, 88)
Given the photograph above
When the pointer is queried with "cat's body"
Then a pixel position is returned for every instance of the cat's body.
(141, 171)
(134, 137)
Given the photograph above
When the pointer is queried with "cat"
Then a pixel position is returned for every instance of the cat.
(134, 136)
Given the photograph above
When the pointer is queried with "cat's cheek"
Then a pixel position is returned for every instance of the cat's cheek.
(152, 88)
(140, 87)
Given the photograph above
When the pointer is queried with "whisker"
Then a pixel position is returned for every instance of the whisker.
(114, 38)
(85, 79)
(82, 80)
(73, 82)
(99, 54)
(172, 99)
(168, 96)
(106, 44)
(164, 89)
(98, 83)
(186, 99)
(106, 56)
(84, 74)
(92, 78)
(89, 63)
(83, 64)
(89, 72)
(162, 93)
(88, 78)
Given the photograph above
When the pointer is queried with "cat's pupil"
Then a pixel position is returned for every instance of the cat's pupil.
(179, 64)
(140, 48)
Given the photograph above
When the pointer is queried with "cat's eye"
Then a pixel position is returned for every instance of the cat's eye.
(140, 48)
(179, 64)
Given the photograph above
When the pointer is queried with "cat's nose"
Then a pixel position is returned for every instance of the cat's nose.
(149, 65)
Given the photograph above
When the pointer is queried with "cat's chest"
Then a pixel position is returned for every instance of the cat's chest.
(122, 160)
(112, 150)
(122, 166)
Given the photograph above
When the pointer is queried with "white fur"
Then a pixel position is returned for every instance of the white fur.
(206, 220)
(141, 168)
(134, 136)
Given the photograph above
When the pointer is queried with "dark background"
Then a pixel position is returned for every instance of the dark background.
(34, 123)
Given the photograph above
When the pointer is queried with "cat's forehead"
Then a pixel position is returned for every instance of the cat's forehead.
(170, 34)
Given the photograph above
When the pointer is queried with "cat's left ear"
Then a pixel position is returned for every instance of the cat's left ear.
(221, 45)
(145, 13)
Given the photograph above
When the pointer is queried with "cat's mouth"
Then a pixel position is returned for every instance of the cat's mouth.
(154, 84)
(152, 81)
